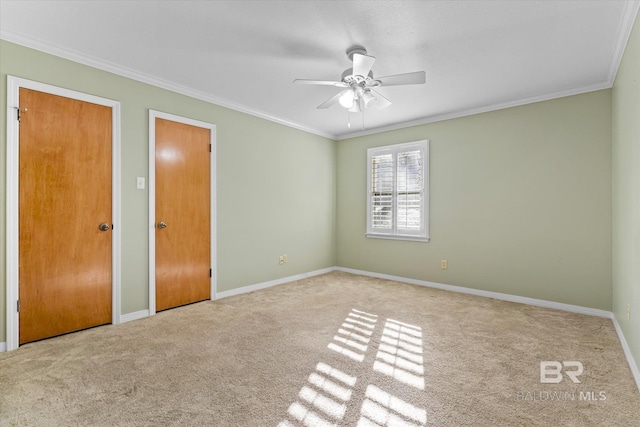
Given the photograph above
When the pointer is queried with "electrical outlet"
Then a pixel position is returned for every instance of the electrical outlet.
(628, 311)
(444, 264)
(282, 259)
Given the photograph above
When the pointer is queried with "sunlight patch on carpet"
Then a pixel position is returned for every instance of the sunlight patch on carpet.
(346, 352)
(354, 344)
(385, 409)
(320, 401)
(307, 417)
(336, 373)
(324, 399)
(376, 415)
(355, 328)
(399, 353)
(330, 387)
(350, 343)
(360, 323)
(355, 336)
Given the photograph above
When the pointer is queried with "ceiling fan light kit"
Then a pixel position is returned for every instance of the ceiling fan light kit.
(346, 98)
(358, 83)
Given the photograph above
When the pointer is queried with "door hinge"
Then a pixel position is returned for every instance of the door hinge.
(210, 272)
(18, 306)
(209, 147)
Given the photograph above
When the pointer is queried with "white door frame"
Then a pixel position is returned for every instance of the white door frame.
(14, 84)
(153, 115)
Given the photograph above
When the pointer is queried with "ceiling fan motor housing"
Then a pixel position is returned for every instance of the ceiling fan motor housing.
(356, 49)
(349, 78)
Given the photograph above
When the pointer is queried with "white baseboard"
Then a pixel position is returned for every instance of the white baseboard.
(487, 294)
(134, 316)
(627, 351)
(270, 283)
(3, 347)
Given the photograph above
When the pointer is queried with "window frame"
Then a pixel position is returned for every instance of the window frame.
(393, 233)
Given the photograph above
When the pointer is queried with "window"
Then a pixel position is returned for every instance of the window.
(398, 196)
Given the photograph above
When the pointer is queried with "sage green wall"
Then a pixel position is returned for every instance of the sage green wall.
(520, 198)
(272, 199)
(626, 193)
(520, 202)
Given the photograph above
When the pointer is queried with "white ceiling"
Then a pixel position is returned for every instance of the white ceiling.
(478, 55)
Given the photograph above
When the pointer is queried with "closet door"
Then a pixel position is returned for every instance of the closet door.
(183, 203)
(65, 198)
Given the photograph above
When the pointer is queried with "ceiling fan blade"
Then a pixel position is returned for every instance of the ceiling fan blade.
(416, 78)
(362, 64)
(381, 101)
(331, 101)
(320, 82)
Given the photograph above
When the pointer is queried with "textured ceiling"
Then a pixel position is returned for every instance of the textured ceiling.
(478, 55)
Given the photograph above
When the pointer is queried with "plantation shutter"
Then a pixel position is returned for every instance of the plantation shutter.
(409, 191)
(397, 199)
(382, 192)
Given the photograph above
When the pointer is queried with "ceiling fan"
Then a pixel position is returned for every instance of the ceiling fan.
(359, 84)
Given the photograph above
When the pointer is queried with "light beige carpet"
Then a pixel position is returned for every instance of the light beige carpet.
(334, 349)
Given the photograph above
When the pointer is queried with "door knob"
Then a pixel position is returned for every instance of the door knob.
(104, 227)
(162, 225)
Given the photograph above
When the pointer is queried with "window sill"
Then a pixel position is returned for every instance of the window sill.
(397, 237)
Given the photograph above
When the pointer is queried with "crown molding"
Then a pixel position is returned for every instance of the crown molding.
(628, 18)
(631, 9)
(477, 110)
(110, 67)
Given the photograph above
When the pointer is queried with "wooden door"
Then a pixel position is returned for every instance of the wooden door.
(64, 197)
(183, 200)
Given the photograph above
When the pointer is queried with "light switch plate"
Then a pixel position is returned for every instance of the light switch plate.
(140, 183)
